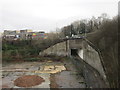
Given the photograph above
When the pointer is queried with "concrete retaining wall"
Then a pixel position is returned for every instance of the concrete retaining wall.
(92, 78)
(92, 57)
(59, 49)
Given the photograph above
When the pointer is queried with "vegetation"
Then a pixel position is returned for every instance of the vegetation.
(26, 49)
(106, 40)
(83, 26)
(17, 49)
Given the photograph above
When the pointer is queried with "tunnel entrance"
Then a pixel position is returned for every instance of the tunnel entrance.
(74, 52)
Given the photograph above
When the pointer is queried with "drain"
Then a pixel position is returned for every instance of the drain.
(28, 81)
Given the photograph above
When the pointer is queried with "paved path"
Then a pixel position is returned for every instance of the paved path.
(11, 72)
(69, 78)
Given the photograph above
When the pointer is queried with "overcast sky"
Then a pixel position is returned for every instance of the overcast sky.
(49, 14)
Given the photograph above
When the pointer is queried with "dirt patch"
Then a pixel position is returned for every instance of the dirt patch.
(28, 81)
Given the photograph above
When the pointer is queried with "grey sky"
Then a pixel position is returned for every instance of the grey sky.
(49, 14)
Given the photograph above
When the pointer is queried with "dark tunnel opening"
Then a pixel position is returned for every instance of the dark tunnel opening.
(74, 52)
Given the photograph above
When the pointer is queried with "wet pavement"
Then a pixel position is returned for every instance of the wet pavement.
(64, 74)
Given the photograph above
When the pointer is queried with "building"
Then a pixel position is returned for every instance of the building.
(23, 35)
(10, 35)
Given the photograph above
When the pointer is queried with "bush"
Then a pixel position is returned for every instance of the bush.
(31, 59)
(13, 53)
